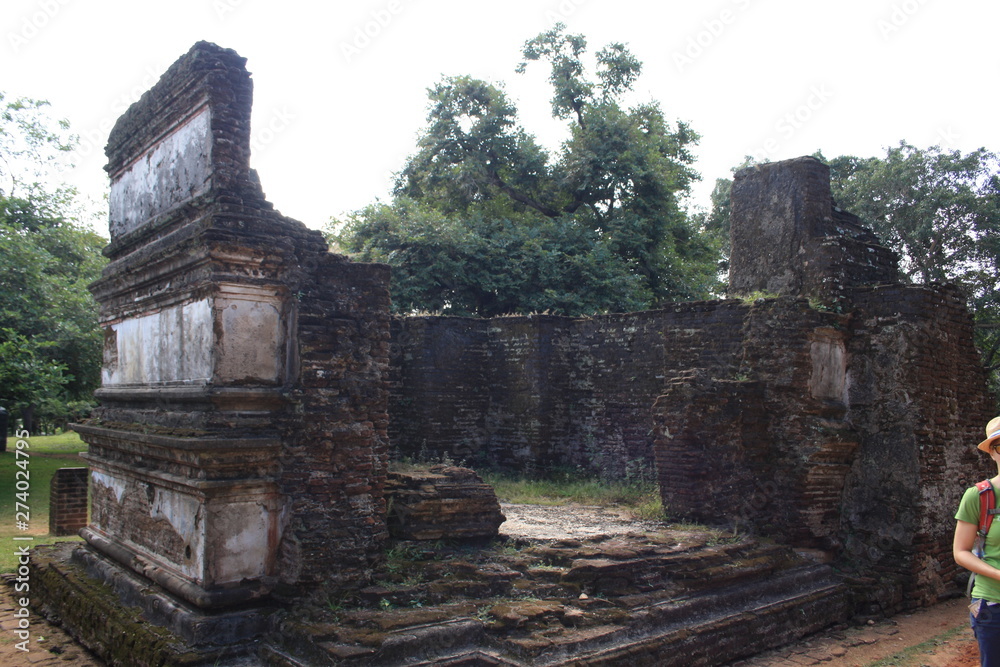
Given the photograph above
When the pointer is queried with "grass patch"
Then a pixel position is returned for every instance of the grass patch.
(46, 455)
(64, 443)
(641, 498)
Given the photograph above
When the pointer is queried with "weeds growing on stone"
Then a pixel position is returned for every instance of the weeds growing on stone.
(640, 497)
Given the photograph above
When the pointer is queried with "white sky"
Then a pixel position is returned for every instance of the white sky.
(337, 111)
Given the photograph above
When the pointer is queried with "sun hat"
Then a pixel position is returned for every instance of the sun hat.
(992, 435)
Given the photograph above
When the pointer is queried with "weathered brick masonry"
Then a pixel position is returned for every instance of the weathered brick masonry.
(240, 445)
(540, 391)
(68, 501)
(837, 413)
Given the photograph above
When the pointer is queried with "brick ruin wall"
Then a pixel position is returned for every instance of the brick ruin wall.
(847, 433)
(918, 397)
(788, 237)
(838, 415)
(240, 445)
(68, 501)
(535, 392)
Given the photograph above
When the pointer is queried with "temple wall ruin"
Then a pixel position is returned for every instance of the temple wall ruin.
(833, 409)
(541, 391)
(240, 444)
(253, 383)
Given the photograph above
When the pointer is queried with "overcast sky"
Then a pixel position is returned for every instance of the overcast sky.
(340, 88)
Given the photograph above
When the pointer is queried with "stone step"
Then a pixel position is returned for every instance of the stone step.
(706, 629)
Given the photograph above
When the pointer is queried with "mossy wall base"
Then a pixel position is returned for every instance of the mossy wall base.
(130, 622)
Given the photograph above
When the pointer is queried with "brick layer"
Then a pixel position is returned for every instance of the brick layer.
(68, 501)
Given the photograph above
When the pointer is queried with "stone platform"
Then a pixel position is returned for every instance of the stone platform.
(670, 597)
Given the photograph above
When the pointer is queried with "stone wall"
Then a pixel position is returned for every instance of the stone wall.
(240, 445)
(838, 415)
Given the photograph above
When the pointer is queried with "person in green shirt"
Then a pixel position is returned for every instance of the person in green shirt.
(985, 607)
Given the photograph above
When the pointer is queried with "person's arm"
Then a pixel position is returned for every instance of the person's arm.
(965, 537)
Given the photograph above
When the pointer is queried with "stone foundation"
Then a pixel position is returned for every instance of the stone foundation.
(240, 441)
(443, 502)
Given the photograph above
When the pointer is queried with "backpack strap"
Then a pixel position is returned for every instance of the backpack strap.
(987, 506)
(987, 510)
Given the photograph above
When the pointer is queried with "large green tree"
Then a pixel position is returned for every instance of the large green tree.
(940, 211)
(485, 221)
(50, 342)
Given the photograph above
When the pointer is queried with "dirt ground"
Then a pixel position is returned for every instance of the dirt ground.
(938, 636)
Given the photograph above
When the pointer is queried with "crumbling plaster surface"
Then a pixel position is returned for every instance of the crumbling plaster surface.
(240, 437)
(235, 336)
(173, 345)
(176, 169)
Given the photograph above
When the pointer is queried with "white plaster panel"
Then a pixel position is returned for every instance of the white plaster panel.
(239, 541)
(173, 171)
(252, 344)
(116, 485)
(829, 373)
(173, 345)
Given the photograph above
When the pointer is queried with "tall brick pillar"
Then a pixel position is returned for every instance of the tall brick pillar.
(68, 501)
(240, 443)
(789, 238)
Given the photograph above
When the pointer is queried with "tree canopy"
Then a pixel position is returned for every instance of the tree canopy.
(50, 342)
(940, 211)
(484, 221)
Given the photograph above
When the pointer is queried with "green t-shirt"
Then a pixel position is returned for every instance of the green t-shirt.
(968, 510)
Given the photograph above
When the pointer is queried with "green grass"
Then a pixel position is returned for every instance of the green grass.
(46, 454)
(64, 443)
(642, 499)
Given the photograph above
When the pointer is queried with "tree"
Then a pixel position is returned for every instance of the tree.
(939, 211)
(485, 221)
(50, 342)
(31, 145)
(470, 264)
